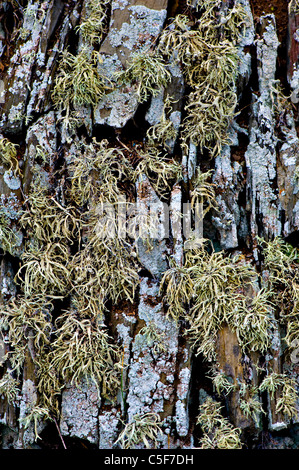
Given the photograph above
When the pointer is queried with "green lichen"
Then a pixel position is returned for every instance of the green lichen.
(154, 337)
(164, 131)
(221, 383)
(285, 389)
(8, 237)
(8, 156)
(147, 72)
(94, 24)
(281, 263)
(78, 82)
(203, 193)
(161, 170)
(35, 416)
(96, 171)
(207, 52)
(29, 326)
(216, 296)
(219, 433)
(83, 349)
(294, 7)
(250, 403)
(10, 388)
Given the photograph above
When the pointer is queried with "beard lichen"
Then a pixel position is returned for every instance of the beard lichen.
(83, 349)
(8, 156)
(94, 23)
(147, 72)
(218, 432)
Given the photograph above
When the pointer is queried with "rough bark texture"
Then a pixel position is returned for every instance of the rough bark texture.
(162, 374)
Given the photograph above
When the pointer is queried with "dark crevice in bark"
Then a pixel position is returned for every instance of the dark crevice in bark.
(176, 7)
(199, 381)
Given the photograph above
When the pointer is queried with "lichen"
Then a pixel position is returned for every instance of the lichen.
(78, 82)
(208, 291)
(142, 429)
(148, 72)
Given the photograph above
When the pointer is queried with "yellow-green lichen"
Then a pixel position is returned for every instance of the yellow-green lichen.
(219, 433)
(147, 72)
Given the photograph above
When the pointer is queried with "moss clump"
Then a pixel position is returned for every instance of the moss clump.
(147, 72)
(143, 429)
(219, 433)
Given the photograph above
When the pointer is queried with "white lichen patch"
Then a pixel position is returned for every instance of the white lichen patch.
(79, 411)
